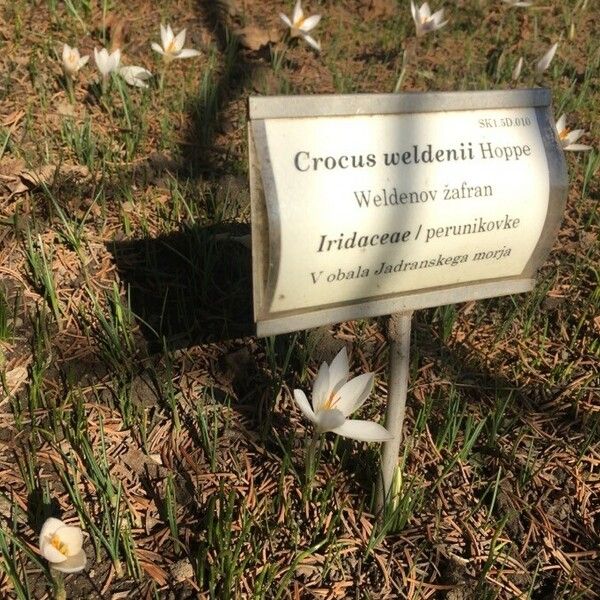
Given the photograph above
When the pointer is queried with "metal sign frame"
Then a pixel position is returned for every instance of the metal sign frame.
(265, 208)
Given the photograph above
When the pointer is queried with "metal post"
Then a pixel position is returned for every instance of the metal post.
(399, 340)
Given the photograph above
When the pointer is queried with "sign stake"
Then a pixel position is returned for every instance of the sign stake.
(399, 340)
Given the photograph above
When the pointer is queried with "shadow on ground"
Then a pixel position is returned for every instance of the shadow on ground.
(220, 88)
(194, 286)
(190, 287)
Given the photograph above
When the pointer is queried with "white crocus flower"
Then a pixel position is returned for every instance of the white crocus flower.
(520, 3)
(107, 63)
(424, 20)
(517, 70)
(72, 61)
(334, 398)
(135, 76)
(172, 45)
(568, 138)
(300, 25)
(545, 61)
(61, 545)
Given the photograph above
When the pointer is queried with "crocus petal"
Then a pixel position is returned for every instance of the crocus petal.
(311, 41)
(166, 35)
(438, 15)
(577, 147)
(72, 537)
(573, 136)
(328, 420)
(116, 59)
(310, 22)
(425, 11)
(363, 431)
(73, 564)
(72, 60)
(49, 528)
(135, 76)
(65, 53)
(298, 13)
(188, 53)
(140, 84)
(320, 387)
(50, 553)
(434, 25)
(304, 405)
(83, 61)
(437, 18)
(285, 19)
(107, 62)
(545, 61)
(561, 123)
(353, 394)
(517, 70)
(178, 41)
(157, 48)
(339, 371)
(98, 59)
(414, 11)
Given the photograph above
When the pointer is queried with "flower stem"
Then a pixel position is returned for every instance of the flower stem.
(162, 78)
(70, 89)
(58, 585)
(118, 568)
(311, 460)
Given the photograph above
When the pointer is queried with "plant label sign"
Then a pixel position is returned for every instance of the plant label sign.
(368, 205)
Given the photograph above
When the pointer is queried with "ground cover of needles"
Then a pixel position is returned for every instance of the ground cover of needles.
(134, 400)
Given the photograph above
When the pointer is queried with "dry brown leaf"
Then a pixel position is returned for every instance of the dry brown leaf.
(65, 109)
(35, 178)
(10, 169)
(15, 378)
(155, 572)
(139, 463)
(182, 570)
(45, 175)
(14, 186)
(13, 118)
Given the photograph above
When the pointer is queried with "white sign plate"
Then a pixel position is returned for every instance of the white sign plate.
(366, 209)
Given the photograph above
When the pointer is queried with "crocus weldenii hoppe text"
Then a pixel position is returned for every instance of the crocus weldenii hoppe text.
(335, 397)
